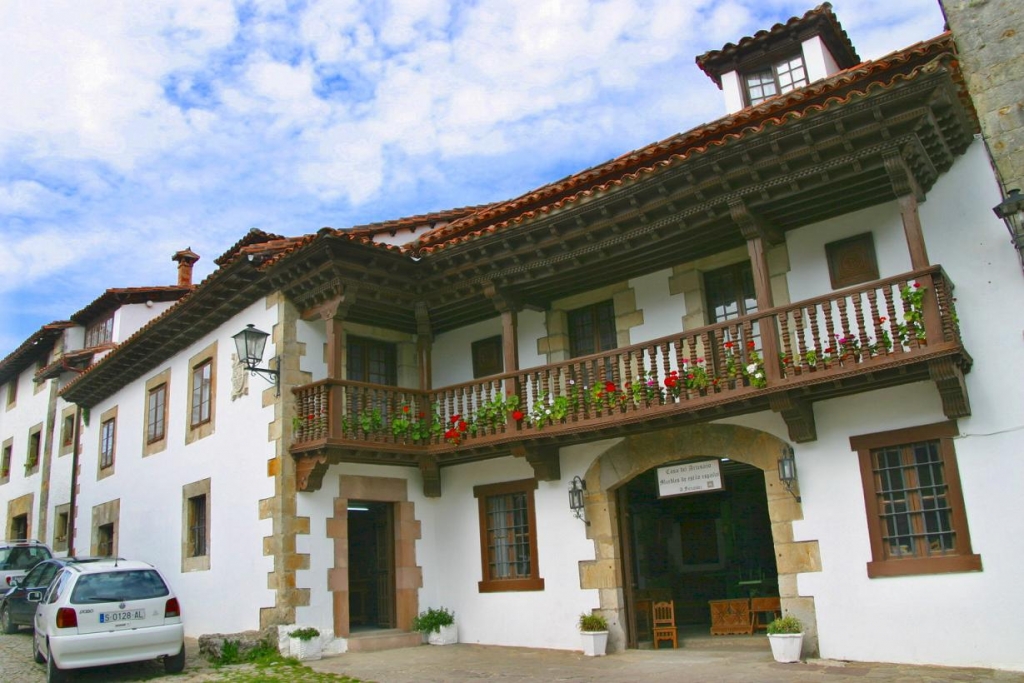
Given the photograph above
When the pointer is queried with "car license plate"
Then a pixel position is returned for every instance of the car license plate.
(127, 615)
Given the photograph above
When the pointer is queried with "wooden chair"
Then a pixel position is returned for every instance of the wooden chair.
(763, 611)
(664, 622)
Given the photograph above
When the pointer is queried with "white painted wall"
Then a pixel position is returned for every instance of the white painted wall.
(28, 410)
(150, 489)
(663, 313)
(130, 318)
(451, 354)
(732, 91)
(817, 59)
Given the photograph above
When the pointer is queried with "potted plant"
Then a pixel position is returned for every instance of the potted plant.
(438, 625)
(304, 643)
(786, 636)
(594, 632)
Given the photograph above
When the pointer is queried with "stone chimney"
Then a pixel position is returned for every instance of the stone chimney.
(186, 259)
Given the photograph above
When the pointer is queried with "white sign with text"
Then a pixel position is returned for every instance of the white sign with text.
(694, 477)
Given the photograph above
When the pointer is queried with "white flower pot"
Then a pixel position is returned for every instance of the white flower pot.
(306, 650)
(786, 646)
(449, 635)
(594, 642)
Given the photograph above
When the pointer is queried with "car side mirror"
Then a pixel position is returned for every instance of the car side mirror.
(15, 581)
(34, 596)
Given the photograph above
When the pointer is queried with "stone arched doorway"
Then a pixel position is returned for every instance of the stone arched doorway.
(637, 454)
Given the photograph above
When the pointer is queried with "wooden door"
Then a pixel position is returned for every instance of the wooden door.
(384, 529)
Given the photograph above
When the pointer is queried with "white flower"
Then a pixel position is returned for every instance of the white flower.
(547, 411)
(752, 368)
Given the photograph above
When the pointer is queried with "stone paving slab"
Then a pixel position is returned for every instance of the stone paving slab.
(464, 663)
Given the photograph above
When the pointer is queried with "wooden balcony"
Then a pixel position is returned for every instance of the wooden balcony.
(889, 332)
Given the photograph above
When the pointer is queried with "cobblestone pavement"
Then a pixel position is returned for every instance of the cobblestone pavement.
(721, 662)
(744, 664)
(17, 665)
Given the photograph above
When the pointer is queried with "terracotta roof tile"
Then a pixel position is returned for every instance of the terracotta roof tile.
(38, 345)
(119, 296)
(254, 236)
(821, 95)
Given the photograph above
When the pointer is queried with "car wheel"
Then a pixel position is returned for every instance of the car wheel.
(173, 664)
(53, 674)
(6, 625)
(36, 654)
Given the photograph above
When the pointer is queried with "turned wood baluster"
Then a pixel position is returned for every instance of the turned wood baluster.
(787, 341)
(876, 322)
(862, 332)
(830, 331)
(818, 348)
(893, 322)
(844, 321)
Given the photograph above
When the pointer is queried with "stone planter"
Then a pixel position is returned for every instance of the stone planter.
(449, 635)
(786, 646)
(306, 650)
(594, 643)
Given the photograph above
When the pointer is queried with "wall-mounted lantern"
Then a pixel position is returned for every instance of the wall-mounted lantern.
(576, 490)
(249, 344)
(1011, 211)
(787, 470)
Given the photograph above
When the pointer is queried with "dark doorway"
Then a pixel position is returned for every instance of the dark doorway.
(371, 563)
(695, 548)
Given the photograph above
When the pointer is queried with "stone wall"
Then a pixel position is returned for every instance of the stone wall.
(990, 39)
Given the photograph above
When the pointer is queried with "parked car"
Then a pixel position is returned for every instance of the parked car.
(107, 612)
(15, 609)
(17, 557)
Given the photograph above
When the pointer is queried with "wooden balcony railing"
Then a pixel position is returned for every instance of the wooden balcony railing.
(888, 322)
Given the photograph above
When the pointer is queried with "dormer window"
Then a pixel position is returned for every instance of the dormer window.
(100, 332)
(781, 77)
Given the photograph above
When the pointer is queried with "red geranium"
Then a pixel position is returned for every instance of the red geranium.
(517, 415)
(609, 387)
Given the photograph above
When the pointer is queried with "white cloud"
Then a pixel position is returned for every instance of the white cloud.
(133, 132)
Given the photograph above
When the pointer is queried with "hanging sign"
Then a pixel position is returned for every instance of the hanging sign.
(694, 477)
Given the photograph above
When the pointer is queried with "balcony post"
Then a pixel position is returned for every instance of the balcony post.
(908, 193)
(763, 288)
(424, 341)
(930, 311)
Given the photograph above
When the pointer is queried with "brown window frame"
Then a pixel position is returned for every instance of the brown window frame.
(201, 388)
(100, 331)
(12, 390)
(530, 582)
(108, 442)
(6, 456)
(156, 416)
(600, 318)
(365, 352)
(34, 452)
(960, 558)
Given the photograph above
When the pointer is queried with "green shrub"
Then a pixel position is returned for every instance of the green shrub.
(308, 633)
(786, 624)
(432, 620)
(593, 622)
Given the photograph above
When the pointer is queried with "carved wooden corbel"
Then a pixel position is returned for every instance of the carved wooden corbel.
(798, 414)
(948, 376)
(543, 459)
(310, 471)
(431, 473)
(751, 225)
(900, 176)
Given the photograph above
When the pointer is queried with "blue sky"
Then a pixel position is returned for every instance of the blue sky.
(129, 134)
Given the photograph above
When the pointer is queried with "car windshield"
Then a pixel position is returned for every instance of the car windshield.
(118, 586)
(20, 557)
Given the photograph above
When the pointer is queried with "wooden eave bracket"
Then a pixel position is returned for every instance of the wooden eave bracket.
(543, 459)
(431, 473)
(503, 301)
(310, 471)
(753, 226)
(798, 414)
(900, 176)
(948, 375)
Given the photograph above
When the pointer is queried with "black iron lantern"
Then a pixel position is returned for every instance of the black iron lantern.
(576, 490)
(787, 470)
(249, 345)
(1011, 211)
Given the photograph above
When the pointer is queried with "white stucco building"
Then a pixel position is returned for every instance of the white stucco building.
(818, 272)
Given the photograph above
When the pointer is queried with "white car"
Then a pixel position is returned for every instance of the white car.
(107, 612)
